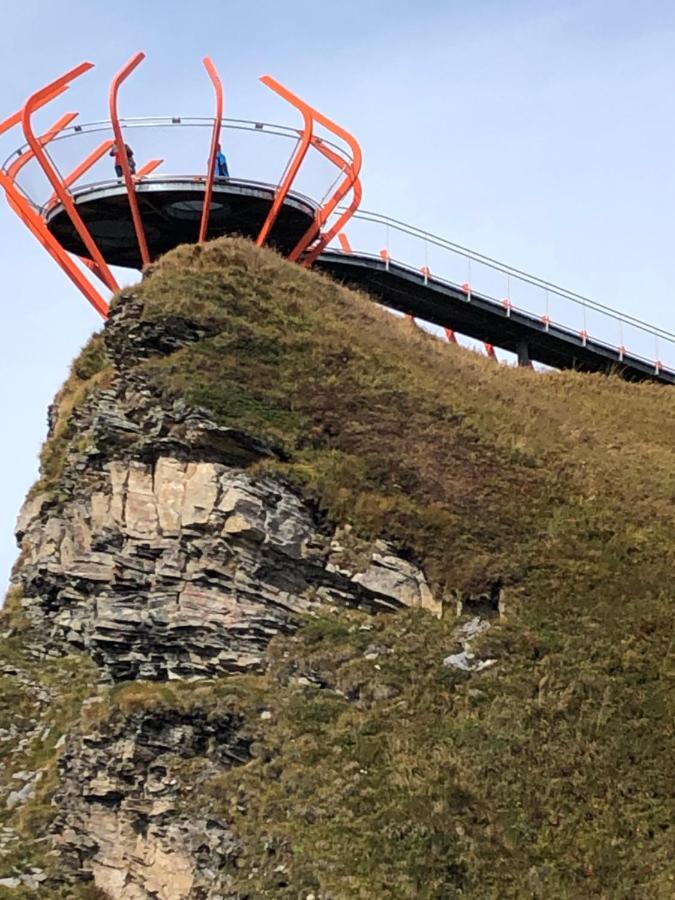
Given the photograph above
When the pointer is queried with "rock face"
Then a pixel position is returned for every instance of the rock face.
(168, 557)
(179, 569)
(122, 824)
(164, 551)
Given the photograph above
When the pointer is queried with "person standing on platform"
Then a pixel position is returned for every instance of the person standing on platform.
(221, 164)
(118, 161)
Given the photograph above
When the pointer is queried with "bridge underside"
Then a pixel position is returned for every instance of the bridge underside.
(171, 212)
(441, 304)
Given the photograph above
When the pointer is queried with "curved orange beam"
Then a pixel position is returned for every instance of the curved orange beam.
(338, 226)
(148, 168)
(215, 140)
(350, 180)
(34, 102)
(121, 76)
(83, 167)
(325, 211)
(296, 160)
(39, 230)
(48, 136)
(16, 118)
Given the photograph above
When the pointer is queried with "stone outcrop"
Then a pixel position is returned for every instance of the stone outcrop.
(179, 569)
(124, 821)
(162, 553)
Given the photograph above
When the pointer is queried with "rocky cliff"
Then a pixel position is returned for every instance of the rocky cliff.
(231, 665)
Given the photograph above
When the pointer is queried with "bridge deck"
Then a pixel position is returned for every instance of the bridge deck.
(479, 317)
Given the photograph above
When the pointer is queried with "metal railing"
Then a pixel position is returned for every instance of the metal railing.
(104, 127)
(442, 261)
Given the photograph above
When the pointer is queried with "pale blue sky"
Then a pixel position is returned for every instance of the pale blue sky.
(537, 132)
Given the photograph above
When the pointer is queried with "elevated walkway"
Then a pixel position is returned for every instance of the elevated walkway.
(451, 306)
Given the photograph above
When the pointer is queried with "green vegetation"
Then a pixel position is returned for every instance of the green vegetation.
(379, 773)
(40, 701)
(559, 484)
(91, 369)
(549, 774)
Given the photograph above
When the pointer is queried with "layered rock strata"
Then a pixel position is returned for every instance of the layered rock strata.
(163, 553)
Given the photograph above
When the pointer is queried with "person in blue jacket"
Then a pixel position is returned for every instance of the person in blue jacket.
(221, 164)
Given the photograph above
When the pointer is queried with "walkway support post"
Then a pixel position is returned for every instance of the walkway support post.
(523, 352)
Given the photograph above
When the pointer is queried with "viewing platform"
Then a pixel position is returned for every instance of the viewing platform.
(296, 190)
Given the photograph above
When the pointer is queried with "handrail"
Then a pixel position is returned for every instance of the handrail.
(644, 327)
(506, 269)
(247, 125)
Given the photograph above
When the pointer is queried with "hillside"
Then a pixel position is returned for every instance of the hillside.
(311, 604)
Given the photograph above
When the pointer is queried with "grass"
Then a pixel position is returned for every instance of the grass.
(548, 775)
(90, 369)
(39, 725)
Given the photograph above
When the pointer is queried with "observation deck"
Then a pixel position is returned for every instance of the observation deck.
(302, 210)
(171, 209)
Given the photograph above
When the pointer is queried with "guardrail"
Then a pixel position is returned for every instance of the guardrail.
(441, 260)
(238, 148)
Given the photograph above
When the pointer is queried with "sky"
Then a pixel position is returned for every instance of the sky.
(539, 133)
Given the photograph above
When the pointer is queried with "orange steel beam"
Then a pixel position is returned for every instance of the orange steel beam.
(350, 182)
(39, 230)
(16, 118)
(48, 136)
(121, 76)
(93, 268)
(297, 158)
(338, 226)
(344, 243)
(351, 179)
(215, 140)
(450, 335)
(311, 115)
(34, 102)
(322, 216)
(88, 162)
(315, 228)
(148, 168)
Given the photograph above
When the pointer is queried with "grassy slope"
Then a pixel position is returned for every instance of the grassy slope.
(561, 486)
(548, 775)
